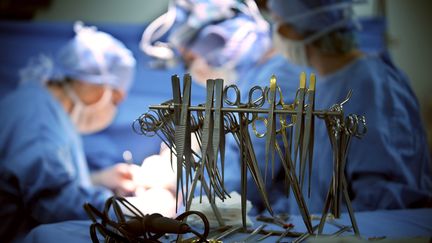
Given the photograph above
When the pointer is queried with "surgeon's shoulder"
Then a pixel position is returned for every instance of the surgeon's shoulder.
(387, 76)
(374, 66)
(28, 102)
(366, 74)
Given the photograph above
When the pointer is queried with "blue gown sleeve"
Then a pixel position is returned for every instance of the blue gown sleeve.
(51, 186)
(390, 167)
(42, 163)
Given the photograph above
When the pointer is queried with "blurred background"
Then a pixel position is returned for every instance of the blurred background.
(29, 27)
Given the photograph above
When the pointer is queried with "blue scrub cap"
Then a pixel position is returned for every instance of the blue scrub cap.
(311, 16)
(91, 56)
(221, 31)
(235, 41)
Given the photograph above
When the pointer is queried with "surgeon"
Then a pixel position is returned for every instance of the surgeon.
(44, 176)
(390, 167)
(229, 40)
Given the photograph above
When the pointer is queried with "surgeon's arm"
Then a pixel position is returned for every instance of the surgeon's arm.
(385, 167)
(54, 187)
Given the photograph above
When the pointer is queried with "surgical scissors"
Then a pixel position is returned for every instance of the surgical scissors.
(279, 102)
(271, 126)
(247, 155)
(290, 174)
(293, 123)
(256, 96)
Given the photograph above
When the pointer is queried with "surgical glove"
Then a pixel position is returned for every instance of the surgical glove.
(156, 172)
(118, 178)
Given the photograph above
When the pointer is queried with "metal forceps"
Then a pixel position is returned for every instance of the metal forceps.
(299, 106)
(271, 126)
(250, 237)
(334, 125)
(354, 125)
(271, 96)
(287, 162)
(284, 125)
(308, 136)
(207, 159)
(338, 135)
(248, 159)
(182, 135)
(340, 132)
(218, 140)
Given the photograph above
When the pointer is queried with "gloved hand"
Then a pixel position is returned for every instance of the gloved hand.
(155, 184)
(156, 172)
(118, 178)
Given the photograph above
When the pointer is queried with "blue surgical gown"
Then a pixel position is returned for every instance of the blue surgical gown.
(287, 76)
(44, 175)
(389, 168)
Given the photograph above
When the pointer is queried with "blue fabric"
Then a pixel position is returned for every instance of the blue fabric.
(313, 15)
(44, 174)
(390, 167)
(92, 56)
(371, 37)
(96, 57)
(218, 53)
(394, 224)
(148, 88)
(221, 32)
(106, 147)
(194, 15)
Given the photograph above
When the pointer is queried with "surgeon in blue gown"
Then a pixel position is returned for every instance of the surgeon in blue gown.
(232, 41)
(390, 167)
(44, 176)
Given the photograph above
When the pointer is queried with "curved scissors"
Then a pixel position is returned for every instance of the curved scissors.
(279, 102)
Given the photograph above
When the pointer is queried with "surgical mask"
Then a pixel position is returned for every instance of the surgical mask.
(201, 71)
(95, 117)
(293, 50)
